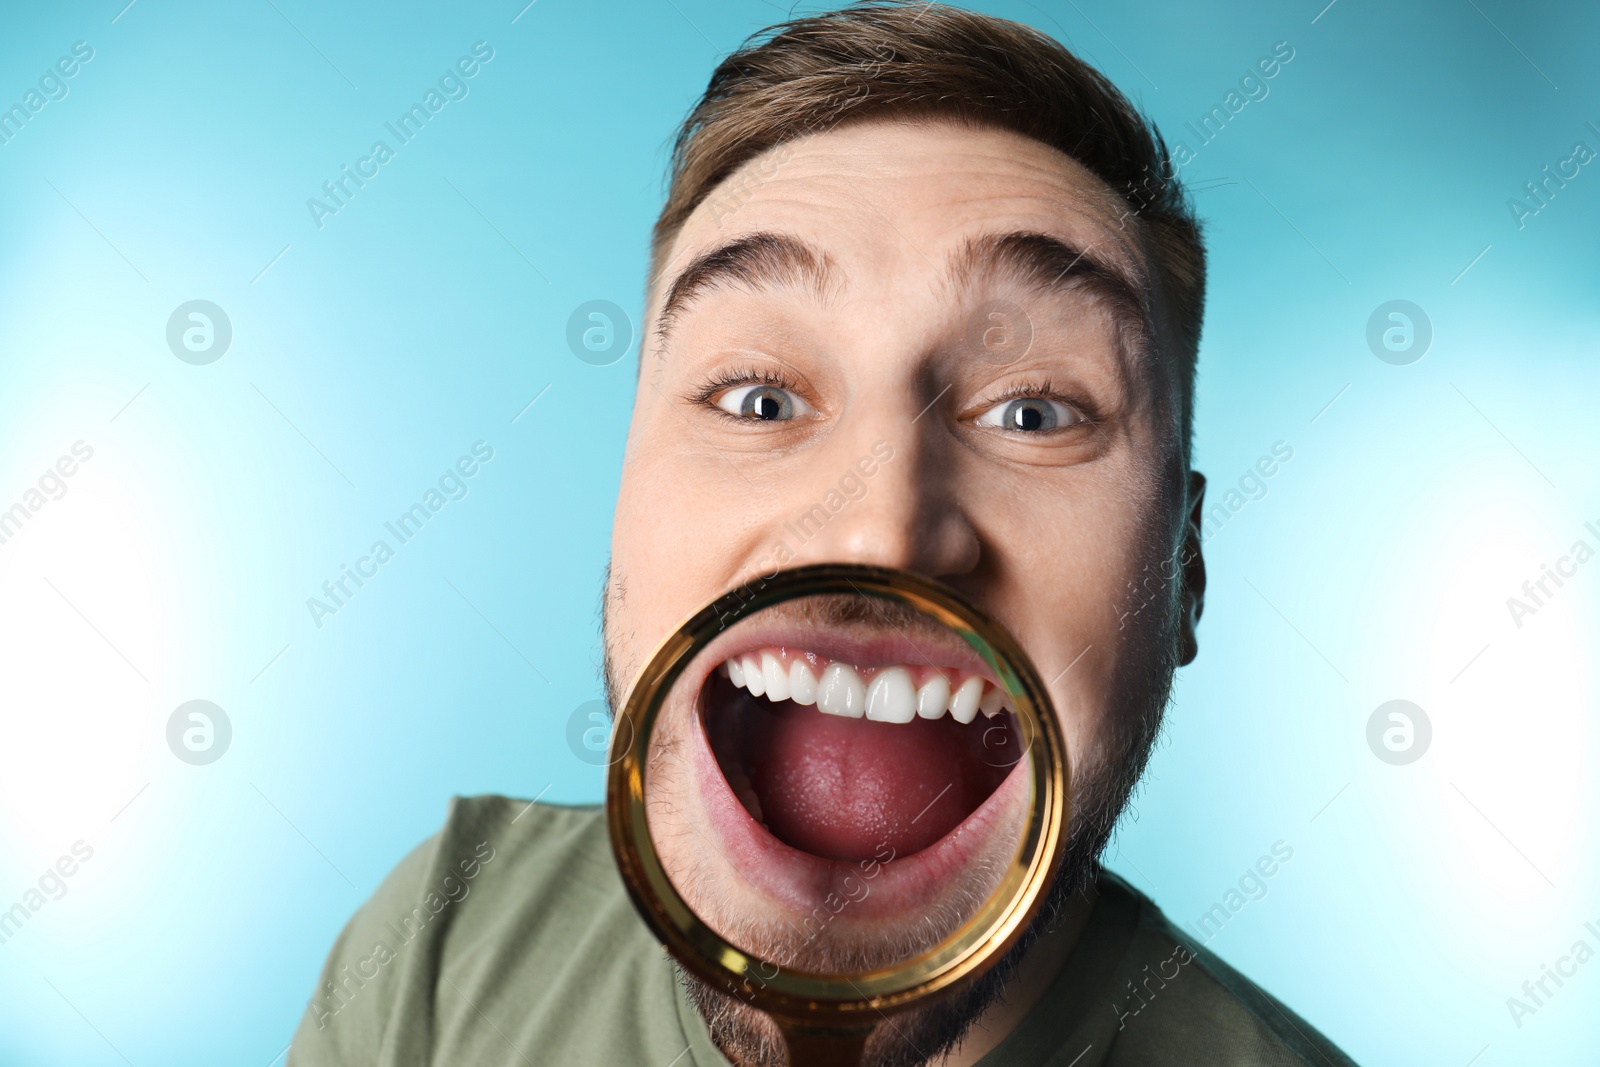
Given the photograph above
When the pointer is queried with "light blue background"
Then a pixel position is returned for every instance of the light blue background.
(431, 310)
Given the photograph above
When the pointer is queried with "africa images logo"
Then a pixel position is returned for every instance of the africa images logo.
(452, 86)
(453, 485)
(199, 332)
(52, 87)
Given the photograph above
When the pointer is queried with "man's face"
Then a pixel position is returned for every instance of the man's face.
(926, 347)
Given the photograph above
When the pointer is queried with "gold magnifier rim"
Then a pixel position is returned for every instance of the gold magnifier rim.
(840, 999)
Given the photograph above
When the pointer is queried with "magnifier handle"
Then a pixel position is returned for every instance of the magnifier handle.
(817, 1047)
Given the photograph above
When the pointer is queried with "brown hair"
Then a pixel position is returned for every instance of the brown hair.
(883, 58)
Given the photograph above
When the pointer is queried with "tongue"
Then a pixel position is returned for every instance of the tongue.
(848, 789)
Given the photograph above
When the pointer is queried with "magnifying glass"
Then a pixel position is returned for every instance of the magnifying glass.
(836, 795)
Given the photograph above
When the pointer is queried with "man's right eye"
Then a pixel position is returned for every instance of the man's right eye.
(767, 403)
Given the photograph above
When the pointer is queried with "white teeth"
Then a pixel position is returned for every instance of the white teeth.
(934, 697)
(964, 701)
(891, 697)
(775, 677)
(754, 679)
(802, 683)
(840, 692)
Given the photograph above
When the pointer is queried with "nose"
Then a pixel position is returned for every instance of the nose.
(908, 512)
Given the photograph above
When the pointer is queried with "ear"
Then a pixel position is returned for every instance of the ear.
(1194, 573)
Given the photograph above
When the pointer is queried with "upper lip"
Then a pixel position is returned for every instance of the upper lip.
(873, 644)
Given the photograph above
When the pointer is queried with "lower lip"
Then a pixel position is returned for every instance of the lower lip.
(801, 881)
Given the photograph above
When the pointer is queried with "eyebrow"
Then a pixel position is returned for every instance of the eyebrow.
(1051, 265)
(754, 261)
(1037, 260)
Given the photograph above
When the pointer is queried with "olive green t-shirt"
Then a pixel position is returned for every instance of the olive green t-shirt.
(508, 939)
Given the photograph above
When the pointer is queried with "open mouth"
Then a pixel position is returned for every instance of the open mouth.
(857, 754)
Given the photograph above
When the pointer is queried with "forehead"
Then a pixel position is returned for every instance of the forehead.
(886, 198)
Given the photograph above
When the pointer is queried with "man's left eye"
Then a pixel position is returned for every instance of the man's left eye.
(1029, 414)
(768, 403)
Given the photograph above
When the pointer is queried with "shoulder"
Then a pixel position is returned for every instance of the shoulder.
(506, 894)
(1173, 997)
(493, 855)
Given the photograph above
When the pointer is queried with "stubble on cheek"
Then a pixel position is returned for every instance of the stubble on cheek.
(1142, 653)
(616, 666)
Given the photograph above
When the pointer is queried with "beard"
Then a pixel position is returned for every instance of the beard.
(1103, 783)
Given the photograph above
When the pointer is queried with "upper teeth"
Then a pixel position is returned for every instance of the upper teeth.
(897, 693)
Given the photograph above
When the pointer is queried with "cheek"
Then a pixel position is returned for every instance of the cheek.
(1085, 591)
(680, 535)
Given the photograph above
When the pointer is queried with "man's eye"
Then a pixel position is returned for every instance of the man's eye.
(1028, 414)
(768, 403)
